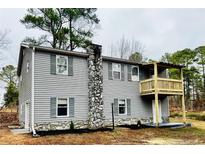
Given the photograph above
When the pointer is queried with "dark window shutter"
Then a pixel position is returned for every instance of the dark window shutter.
(53, 107)
(70, 66)
(53, 64)
(110, 71)
(115, 106)
(129, 73)
(71, 107)
(128, 106)
(122, 72)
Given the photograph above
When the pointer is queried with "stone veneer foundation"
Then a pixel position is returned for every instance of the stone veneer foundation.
(80, 124)
(60, 125)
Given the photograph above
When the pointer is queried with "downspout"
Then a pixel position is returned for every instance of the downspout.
(32, 94)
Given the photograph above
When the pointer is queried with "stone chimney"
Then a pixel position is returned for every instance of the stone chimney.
(95, 87)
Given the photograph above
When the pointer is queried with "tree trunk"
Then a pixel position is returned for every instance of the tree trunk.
(54, 42)
(71, 35)
(203, 77)
(196, 91)
(193, 89)
(193, 95)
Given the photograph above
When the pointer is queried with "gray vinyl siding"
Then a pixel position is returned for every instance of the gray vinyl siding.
(48, 85)
(25, 85)
(144, 73)
(165, 107)
(63, 86)
(124, 90)
(164, 104)
(162, 73)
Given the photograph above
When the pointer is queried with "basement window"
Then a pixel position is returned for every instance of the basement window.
(62, 107)
(122, 107)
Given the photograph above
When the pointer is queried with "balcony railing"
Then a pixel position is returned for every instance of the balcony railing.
(164, 86)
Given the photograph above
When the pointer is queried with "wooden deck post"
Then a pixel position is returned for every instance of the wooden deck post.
(156, 94)
(183, 102)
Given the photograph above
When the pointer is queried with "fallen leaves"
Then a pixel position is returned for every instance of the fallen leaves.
(8, 118)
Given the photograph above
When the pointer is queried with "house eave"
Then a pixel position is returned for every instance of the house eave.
(20, 59)
(164, 65)
(119, 60)
(84, 55)
(60, 51)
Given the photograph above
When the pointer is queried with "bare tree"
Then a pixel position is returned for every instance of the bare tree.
(120, 48)
(4, 41)
(137, 46)
(112, 50)
(124, 48)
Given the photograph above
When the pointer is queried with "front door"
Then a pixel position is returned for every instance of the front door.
(26, 115)
(154, 111)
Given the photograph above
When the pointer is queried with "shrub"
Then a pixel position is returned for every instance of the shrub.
(71, 125)
(175, 114)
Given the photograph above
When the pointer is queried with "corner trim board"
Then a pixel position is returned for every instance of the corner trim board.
(32, 93)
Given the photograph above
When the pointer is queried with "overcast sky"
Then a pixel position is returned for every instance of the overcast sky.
(160, 30)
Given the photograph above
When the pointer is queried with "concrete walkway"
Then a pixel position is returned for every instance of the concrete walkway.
(19, 131)
(169, 125)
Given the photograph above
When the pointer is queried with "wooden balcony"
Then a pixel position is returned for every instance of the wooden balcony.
(164, 86)
(160, 85)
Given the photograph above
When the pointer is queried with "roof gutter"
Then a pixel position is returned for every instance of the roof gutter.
(32, 94)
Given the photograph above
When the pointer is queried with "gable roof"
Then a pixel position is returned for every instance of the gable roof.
(78, 54)
(164, 65)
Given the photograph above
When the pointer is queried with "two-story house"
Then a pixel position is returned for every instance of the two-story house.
(57, 87)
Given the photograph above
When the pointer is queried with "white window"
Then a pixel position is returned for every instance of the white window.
(122, 107)
(27, 66)
(135, 73)
(62, 107)
(61, 65)
(116, 70)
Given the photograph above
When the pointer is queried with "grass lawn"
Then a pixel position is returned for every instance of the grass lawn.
(191, 115)
(191, 135)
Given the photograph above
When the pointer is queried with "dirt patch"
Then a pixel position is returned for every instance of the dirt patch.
(167, 136)
(172, 141)
(166, 141)
(119, 136)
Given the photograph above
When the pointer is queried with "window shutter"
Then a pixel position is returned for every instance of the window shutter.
(128, 106)
(122, 72)
(71, 107)
(53, 64)
(129, 73)
(70, 66)
(53, 107)
(110, 71)
(115, 106)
